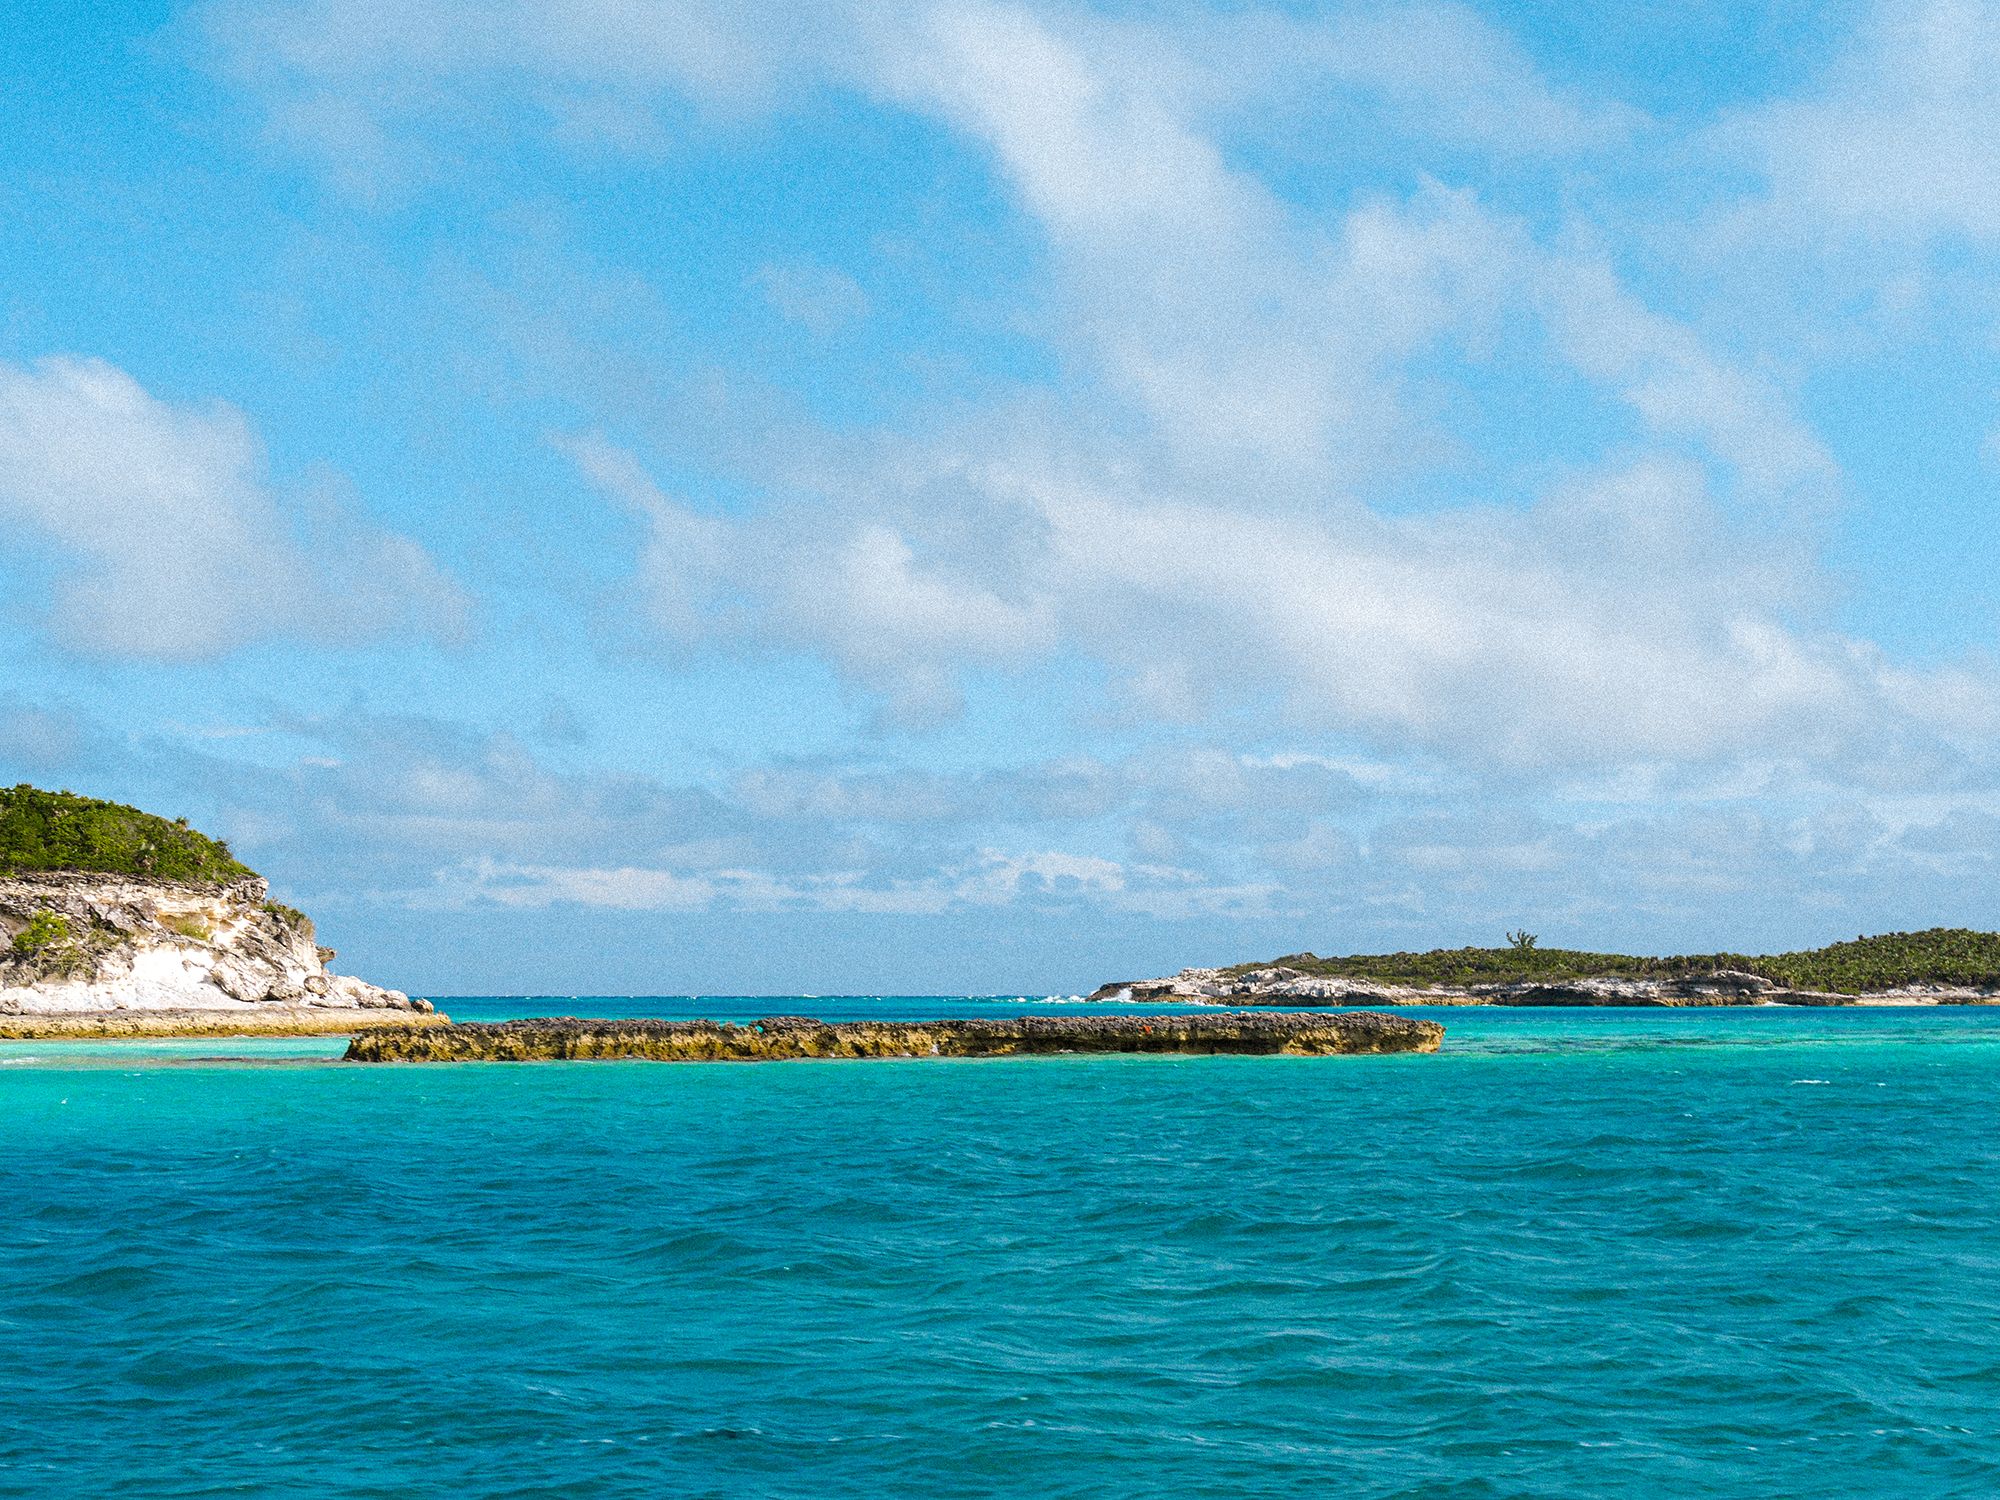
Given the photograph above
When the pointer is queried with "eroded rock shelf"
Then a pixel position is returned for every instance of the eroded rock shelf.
(778, 1038)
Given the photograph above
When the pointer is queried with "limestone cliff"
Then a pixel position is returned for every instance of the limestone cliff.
(83, 941)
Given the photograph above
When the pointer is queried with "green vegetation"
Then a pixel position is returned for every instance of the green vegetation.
(1942, 955)
(50, 946)
(61, 831)
(45, 930)
(291, 916)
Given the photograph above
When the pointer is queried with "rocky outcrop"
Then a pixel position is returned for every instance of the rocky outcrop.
(242, 1021)
(75, 943)
(1279, 985)
(790, 1037)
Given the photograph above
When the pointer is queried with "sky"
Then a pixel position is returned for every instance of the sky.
(668, 496)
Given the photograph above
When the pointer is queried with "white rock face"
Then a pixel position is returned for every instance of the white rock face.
(72, 943)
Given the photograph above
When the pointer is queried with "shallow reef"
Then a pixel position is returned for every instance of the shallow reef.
(775, 1038)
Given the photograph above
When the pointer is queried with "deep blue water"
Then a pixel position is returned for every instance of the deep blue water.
(1576, 1254)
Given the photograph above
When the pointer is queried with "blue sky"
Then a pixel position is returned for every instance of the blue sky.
(657, 495)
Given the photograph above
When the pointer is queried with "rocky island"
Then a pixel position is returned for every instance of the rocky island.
(1941, 966)
(779, 1038)
(114, 922)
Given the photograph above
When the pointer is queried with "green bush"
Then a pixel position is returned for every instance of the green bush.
(45, 930)
(1941, 955)
(291, 916)
(61, 831)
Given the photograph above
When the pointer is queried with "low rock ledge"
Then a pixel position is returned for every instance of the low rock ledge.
(241, 1021)
(1318, 1033)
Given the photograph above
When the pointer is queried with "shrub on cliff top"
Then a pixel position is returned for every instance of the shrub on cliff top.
(61, 831)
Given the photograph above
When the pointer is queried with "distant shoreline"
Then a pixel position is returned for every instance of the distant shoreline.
(139, 1025)
(1583, 995)
(1939, 966)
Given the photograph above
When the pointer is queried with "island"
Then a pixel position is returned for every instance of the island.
(782, 1038)
(1940, 966)
(116, 922)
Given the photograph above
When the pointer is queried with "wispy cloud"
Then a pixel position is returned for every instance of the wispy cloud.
(1899, 143)
(169, 542)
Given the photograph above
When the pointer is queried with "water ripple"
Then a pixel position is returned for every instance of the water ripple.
(1633, 1263)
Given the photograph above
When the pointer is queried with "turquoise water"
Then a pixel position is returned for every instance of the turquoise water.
(1589, 1254)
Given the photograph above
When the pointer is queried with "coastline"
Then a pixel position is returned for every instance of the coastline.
(125, 1025)
(1282, 986)
(113, 953)
(328, 1021)
(1549, 997)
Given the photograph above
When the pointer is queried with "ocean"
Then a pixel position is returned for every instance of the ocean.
(1725, 1253)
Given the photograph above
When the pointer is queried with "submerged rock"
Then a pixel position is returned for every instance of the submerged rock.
(781, 1037)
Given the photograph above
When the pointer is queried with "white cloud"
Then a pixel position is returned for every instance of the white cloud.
(1596, 626)
(1254, 340)
(1242, 854)
(1443, 70)
(1178, 280)
(1220, 555)
(1569, 672)
(350, 79)
(489, 881)
(683, 558)
(723, 52)
(991, 879)
(1192, 516)
(1246, 338)
(902, 627)
(1621, 617)
(1900, 143)
(1682, 389)
(168, 540)
(385, 94)
(1268, 344)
